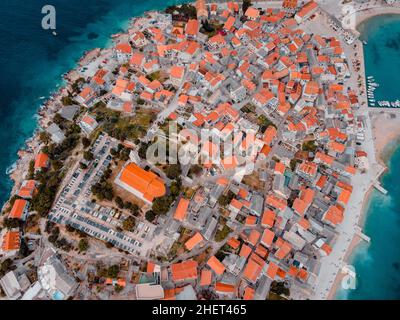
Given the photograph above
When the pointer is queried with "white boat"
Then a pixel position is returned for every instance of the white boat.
(11, 168)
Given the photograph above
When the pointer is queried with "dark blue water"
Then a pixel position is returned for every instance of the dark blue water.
(382, 52)
(377, 265)
(32, 60)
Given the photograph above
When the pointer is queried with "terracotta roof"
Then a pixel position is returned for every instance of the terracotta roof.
(192, 27)
(28, 189)
(181, 209)
(272, 270)
(11, 241)
(18, 208)
(233, 243)
(186, 270)
(146, 182)
(307, 9)
(41, 160)
(224, 288)
(276, 202)
(279, 168)
(194, 241)
(334, 215)
(268, 218)
(245, 251)
(248, 294)
(250, 220)
(253, 269)
(177, 72)
(267, 238)
(205, 278)
(344, 197)
(252, 13)
(216, 265)
(284, 249)
(253, 237)
(124, 47)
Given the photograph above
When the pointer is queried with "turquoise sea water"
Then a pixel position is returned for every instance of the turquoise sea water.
(32, 60)
(377, 265)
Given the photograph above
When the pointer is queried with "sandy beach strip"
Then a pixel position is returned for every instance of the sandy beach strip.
(364, 15)
(386, 137)
(386, 132)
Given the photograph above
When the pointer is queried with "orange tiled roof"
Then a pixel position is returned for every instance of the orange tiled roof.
(253, 268)
(272, 270)
(344, 196)
(268, 218)
(145, 182)
(334, 215)
(252, 13)
(248, 293)
(205, 278)
(124, 47)
(192, 27)
(27, 189)
(284, 249)
(267, 237)
(194, 241)
(245, 251)
(18, 208)
(186, 270)
(233, 243)
(181, 209)
(276, 202)
(250, 220)
(41, 160)
(307, 8)
(216, 265)
(225, 288)
(11, 241)
(253, 237)
(177, 72)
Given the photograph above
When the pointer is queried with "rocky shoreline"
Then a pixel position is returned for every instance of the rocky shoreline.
(49, 108)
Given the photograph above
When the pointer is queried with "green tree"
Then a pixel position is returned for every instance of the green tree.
(120, 203)
(309, 146)
(10, 223)
(44, 137)
(82, 165)
(67, 101)
(226, 199)
(142, 150)
(58, 119)
(246, 4)
(85, 142)
(161, 205)
(103, 190)
(173, 171)
(88, 155)
(83, 245)
(150, 216)
(56, 164)
(129, 223)
(113, 271)
(31, 170)
(279, 288)
(195, 169)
